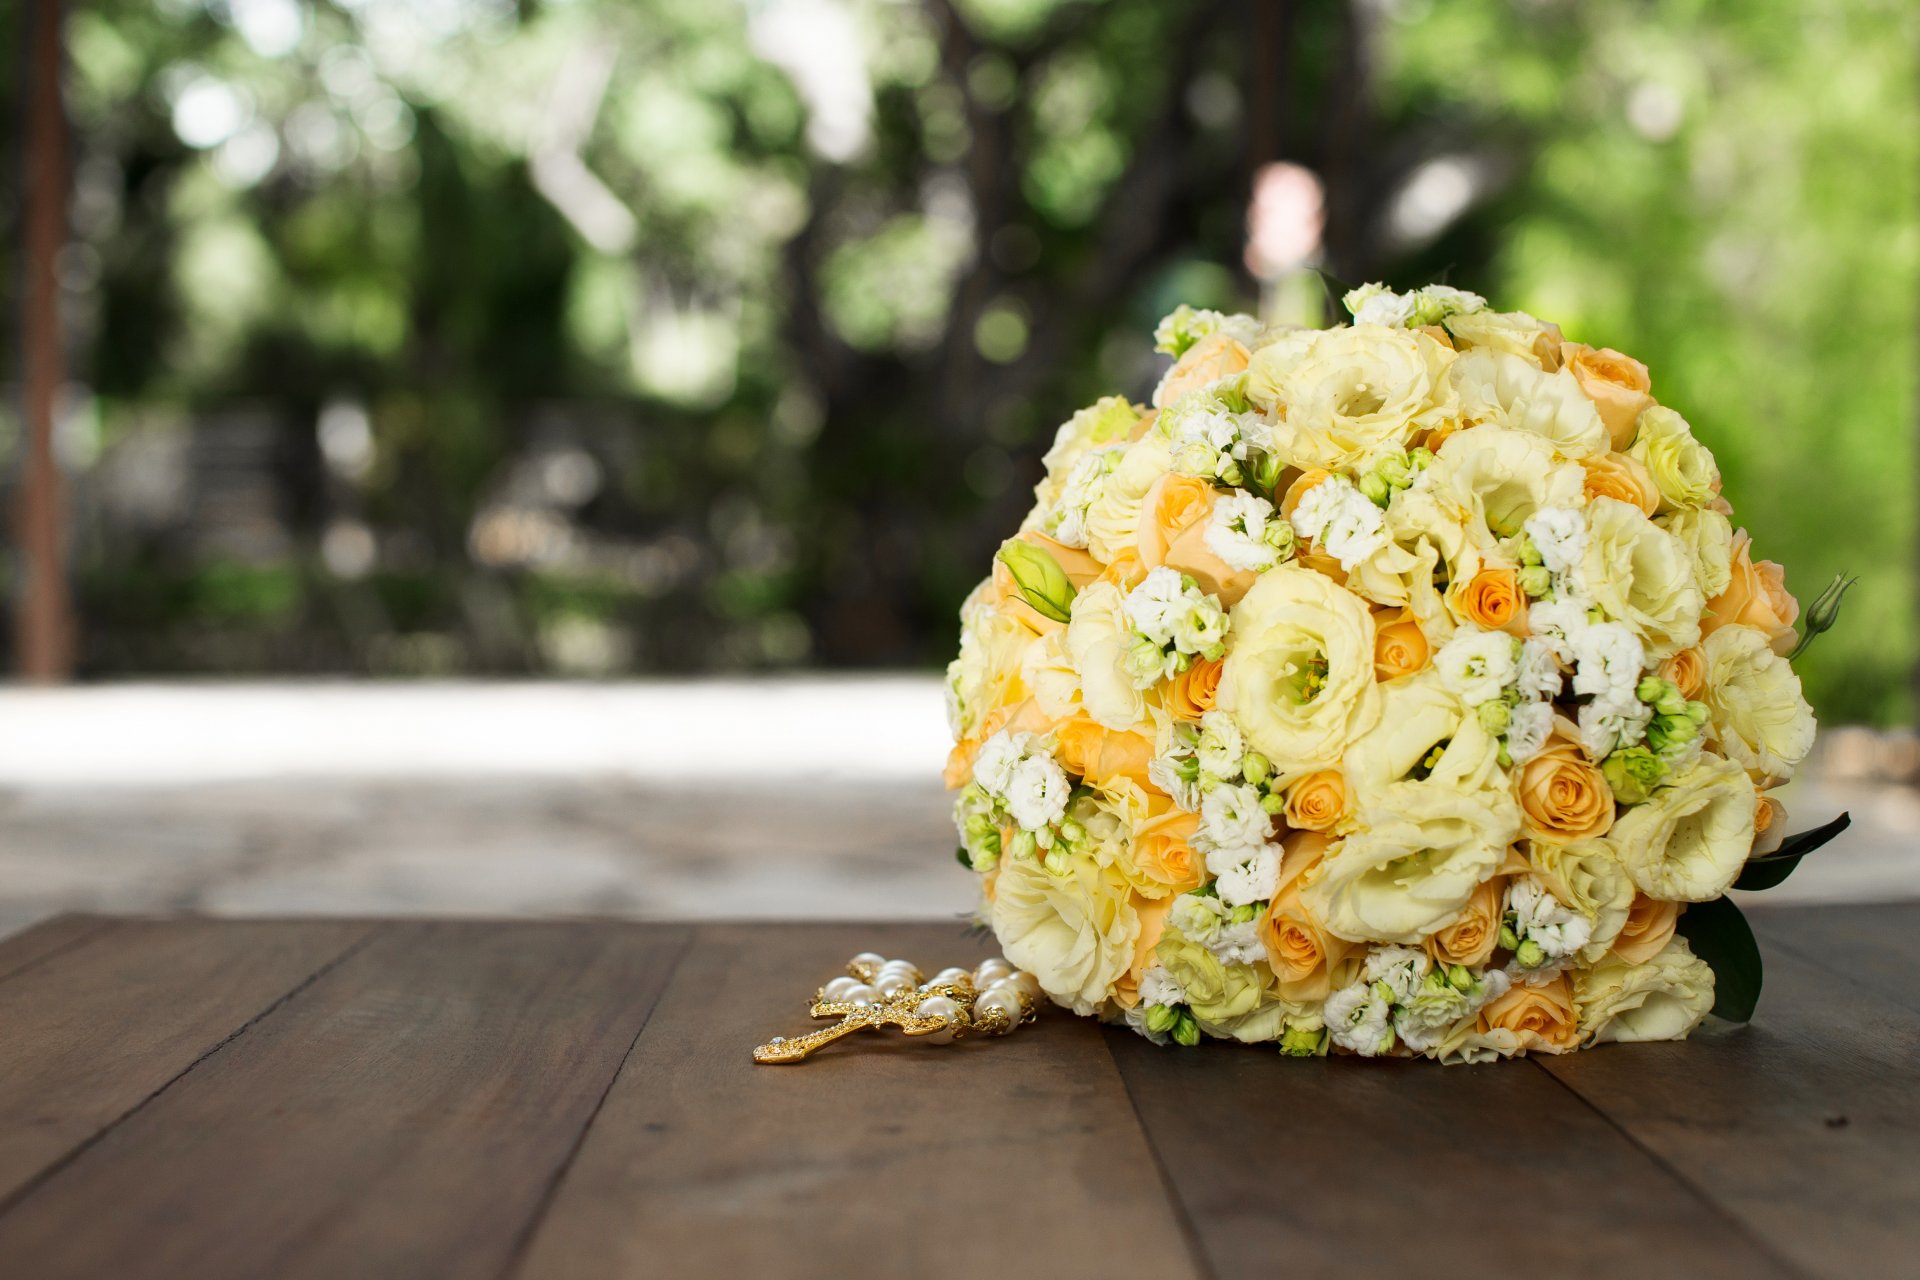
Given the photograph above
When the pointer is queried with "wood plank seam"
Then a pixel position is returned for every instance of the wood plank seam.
(516, 1255)
(80, 1148)
(1189, 1233)
(99, 925)
(1813, 958)
(1720, 1211)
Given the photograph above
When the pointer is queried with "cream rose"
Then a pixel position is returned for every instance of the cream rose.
(1347, 396)
(1098, 637)
(987, 674)
(1113, 520)
(1508, 391)
(1513, 333)
(1640, 574)
(1587, 877)
(1298, 675)
(1688, 842)
(1216, 356)
(1617, 384)
(1708, 537)
(1682, 466)
(1495, 478)
(1759, 716)
(1661, 999)
(1216, 992)
(1074, 933)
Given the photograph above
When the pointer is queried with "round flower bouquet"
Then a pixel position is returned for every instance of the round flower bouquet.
(1400, 688)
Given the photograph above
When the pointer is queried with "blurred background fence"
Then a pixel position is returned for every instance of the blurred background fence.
(444, 337)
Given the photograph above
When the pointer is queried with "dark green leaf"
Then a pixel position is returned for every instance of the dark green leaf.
(1770, 869)
(1719, 935)
(963, 858)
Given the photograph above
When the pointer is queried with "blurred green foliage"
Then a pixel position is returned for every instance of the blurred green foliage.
(637, 335)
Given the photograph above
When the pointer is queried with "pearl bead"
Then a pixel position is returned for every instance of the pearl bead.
(1027, 983)
(902, 967)
(1000, 998)
(860, 994)
(838, 988)
(949, 975)
(990, 972)
(940, 1007)
(871, 958)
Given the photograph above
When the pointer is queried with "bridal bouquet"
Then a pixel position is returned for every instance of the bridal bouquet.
(1404, 687)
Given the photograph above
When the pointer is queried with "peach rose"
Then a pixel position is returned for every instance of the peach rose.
(1316, 802)
(1649, 927)
(1125, 570)
(1099, 754)
(1492, 598)
(1769, 824)
(1617, 384)
(1470, 939)
(1214, 357)
(1615, 475)
(1023, 717)
(1163, 851)
(1686, 671)
(1757, 597)
(1542, 1017)
(1301, 952)
(1562, 797)
(1400, 647)
(1173, 532)
(1153, 923)
(1194, 690)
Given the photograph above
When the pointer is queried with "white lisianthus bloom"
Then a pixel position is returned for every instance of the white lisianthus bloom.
(1359, 1020)
(1640, 574)
(1688, 841)
(999, 756)
(1477, 665)
(1559, 534)
(1237, 532)
(1529, 725)
(1345, 397)
(1587, 877)
(1418, 714)
(1511, 391)
(1113, 517)
(1245, 875)
(1682, 467)
(1098, 637)
(1298, 677)
(1537, 673)
(1759, 716)
(1231, 817)
(1421, 852)
(1220, 747)
(1608, 661)
(1037, 792)
(1662, 999)
(1608, 724)
(1075, 933)
(1501, 478)
(1708, 537)
(1341, 520)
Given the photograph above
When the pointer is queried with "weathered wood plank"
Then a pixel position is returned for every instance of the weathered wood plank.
(1803, 1125)
(31, 946)
(1011, 1157)
(1348, 1167)
(1877, 946)
(404, 1116)
(94, 1028)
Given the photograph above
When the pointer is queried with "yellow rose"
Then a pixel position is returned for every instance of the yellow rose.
(1074, 933)
(1347, 396)
(1513, 333)
(1164, 855)
(1302, 953)
(1469, 939)
(1173, 532)
(1755, 596)
(1660, 999)
(1708, 537)
(1681, 466)
(1298, 679)
(1316, 802)
(1648, 928)
(1099, 754)
(1508, 391)
(1587, 877)
(1400, 648)
(1754, 705)
(1617, 384)
(1690, 839)
(1540, 1019)
(1492, 600)
(1495, 478)
(1563, 798)
(1113, 519)
(1214, 357)
(1216, 992)
(1195, 690)
(1615, 475)
(1641, 575)
(1097, 640)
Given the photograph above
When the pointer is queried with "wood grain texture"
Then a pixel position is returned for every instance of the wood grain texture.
(95, 1027)
(404, 1116)
(1803, 1125)
(1348, 1167)
(878, 1158)
(1875, 946)
(32, 945)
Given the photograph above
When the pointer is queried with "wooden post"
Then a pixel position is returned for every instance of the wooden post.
(43, 627)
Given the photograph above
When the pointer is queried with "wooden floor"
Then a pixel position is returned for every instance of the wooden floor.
(417, 1099)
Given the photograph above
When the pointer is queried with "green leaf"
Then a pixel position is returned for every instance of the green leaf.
(1770, 869)
(963, 857)
(1719, 935)
(1039, 578)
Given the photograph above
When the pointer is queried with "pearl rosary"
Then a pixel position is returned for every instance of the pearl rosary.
(991, 1000)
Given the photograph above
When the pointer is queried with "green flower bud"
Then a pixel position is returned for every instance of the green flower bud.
(1495, 716)
(1458, 978)
(1273, 804)
(1395, 471)
(1375, 489)
(1187, 768)
(1383, 992)
(1243, 913)
(1039, 579)
(1651, 688)
(1508, 938)
(1058, 863)
(1301, 1042)
(1280, 536)
(1266, 471)
(1823, 613)
(1503, 755)
(1232, 474)
(1186, 1031)
(1536, 580)
(1523, 548)
(1420, 459)
(1071, 831)
(1254, 767)
(1529, 955)
(1669, 733)
(1025, 844)
(1633, 773)
(1161, 1017)
(1697, 712)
